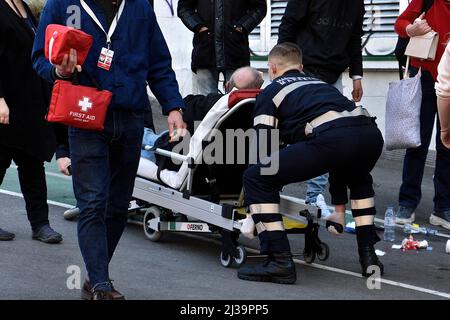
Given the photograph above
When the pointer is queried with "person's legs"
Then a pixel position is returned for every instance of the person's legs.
(441, 214)
(123, 161)
(91, 180)
(318, 185)
(207, 81)
(414, 161)
(262, 197)
(5, 162)
(315, 187)
(34, 189)
(362, 194)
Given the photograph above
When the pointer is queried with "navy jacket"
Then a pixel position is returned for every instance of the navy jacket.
(294, 99)
(140, 54)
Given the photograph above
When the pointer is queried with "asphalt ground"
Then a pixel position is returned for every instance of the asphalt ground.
(186, 266)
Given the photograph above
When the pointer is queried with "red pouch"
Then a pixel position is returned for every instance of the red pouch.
(60, 39)
(79, 106)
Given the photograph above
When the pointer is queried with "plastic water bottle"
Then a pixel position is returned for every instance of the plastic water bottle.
(389, 224)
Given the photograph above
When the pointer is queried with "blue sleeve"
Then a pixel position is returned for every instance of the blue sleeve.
(50, 15)
(161, 77)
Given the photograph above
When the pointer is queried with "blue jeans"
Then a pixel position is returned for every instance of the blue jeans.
(317, 186)
(104, 166)
(414, 162)
(207, 80)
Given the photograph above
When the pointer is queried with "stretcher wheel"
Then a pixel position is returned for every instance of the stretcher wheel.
(225, 260)
(153, 235)
(325, 252)
(310, 257)
(242, 255)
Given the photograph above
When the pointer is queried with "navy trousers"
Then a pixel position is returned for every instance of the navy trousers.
(347, 148)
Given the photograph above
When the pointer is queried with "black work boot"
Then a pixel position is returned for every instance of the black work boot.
(367, 258)
(278, 268)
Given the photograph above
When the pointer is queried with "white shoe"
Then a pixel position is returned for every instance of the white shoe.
(71, 214)
(438, 221)
(320, 202)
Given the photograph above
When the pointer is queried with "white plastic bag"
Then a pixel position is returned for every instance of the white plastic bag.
(403, 104)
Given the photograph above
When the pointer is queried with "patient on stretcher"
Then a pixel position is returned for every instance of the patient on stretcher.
(198, 106)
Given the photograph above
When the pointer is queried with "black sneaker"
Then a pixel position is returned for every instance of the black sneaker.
(405, 215)
(47, 235)
(6, 236)
(441, 219)
(278, 268)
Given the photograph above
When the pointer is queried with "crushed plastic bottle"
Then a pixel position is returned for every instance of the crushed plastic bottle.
(415, 228)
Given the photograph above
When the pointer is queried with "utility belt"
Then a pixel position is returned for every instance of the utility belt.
(334, 115)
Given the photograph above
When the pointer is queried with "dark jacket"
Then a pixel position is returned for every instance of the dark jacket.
(140, 54)
(25, 93)
(328, 32)
(197, 106)
(222, 47)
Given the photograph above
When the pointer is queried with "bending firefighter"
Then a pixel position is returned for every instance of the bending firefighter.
(325, 132)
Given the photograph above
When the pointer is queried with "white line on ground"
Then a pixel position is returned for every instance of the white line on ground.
(301, 262)
(55, 203)
(342, 271)
(51, 174)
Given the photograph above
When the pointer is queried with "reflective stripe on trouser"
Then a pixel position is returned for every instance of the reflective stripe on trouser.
(363, 207)
(270, 228)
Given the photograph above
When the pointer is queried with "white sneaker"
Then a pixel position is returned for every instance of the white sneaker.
(435, 220)
(320, 202)
(71, 214)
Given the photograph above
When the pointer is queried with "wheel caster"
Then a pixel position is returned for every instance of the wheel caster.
(225, 260)
(309, 257)
(242, 256)
(151, 234)
(325, 252)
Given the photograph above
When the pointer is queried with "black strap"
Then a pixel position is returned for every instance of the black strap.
(76, 81)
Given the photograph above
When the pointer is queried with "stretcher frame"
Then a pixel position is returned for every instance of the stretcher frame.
(210, 217)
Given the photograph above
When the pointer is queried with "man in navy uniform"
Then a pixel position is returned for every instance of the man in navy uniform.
(325, 132)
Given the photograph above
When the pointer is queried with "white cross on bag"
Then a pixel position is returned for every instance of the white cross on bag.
(85, 104)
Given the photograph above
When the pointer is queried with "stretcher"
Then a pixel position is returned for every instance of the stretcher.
(208, 198)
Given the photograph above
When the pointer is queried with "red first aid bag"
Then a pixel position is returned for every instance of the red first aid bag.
(79, 106)
(60, 39)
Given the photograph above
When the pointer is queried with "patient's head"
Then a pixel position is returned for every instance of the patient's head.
(245, 78)
(284, 57)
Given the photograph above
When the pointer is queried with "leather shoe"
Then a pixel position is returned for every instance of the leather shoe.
(278, 268)
(87, 294)
(102, 295)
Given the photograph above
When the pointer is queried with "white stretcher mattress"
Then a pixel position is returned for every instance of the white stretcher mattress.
(148, 169)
